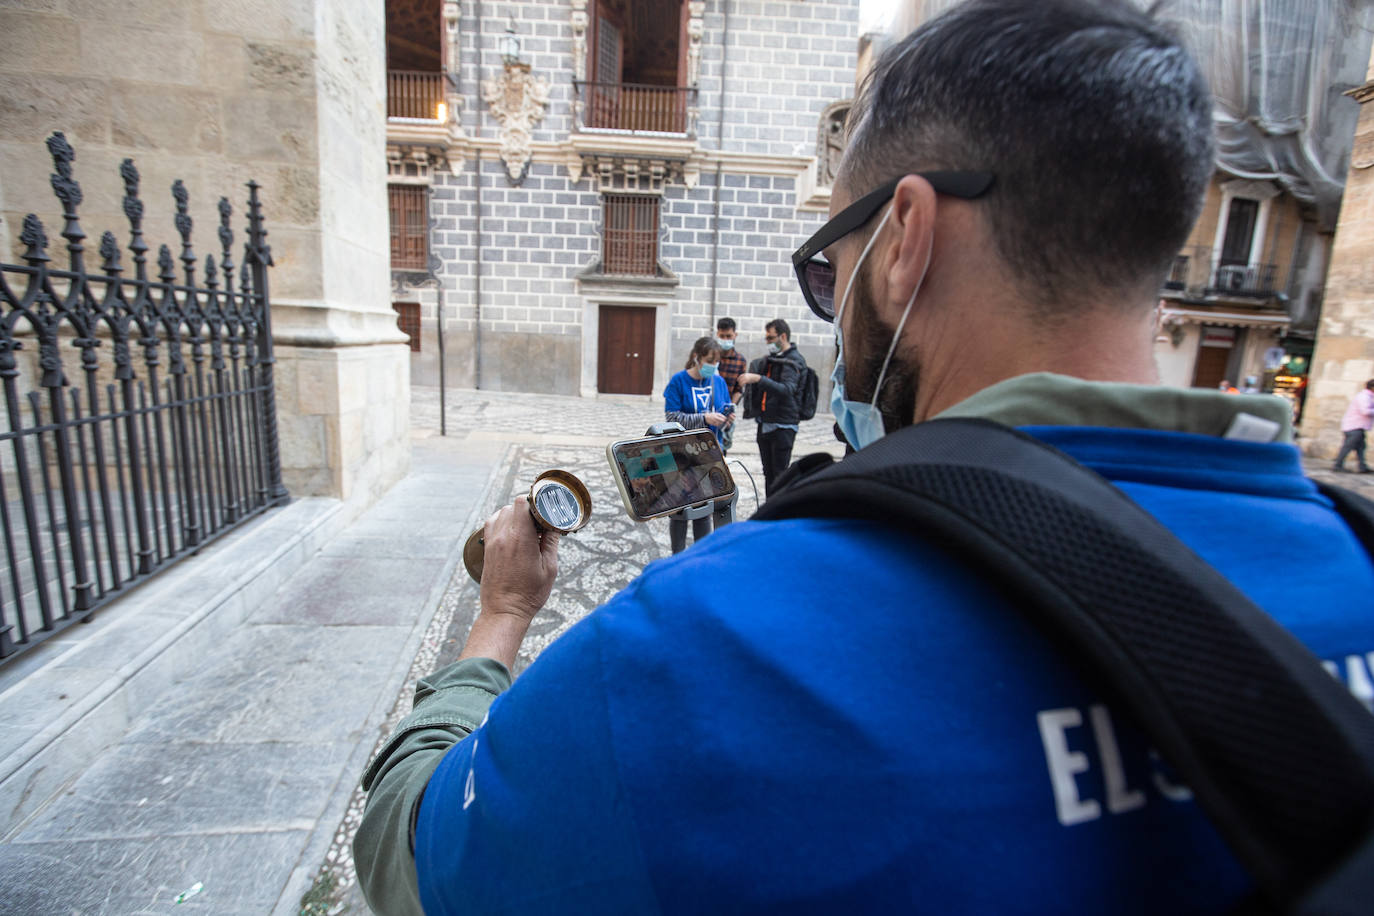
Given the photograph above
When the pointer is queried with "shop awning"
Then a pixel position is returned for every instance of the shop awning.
(1228, 319)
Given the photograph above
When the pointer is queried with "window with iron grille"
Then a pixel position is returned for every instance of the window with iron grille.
(408, 320)
(629, 234)
(409, 226)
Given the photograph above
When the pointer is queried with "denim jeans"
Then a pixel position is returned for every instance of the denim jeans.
(1354, 442)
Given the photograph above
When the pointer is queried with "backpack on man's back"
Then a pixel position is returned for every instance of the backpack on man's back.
(808, 395)
(808, 391)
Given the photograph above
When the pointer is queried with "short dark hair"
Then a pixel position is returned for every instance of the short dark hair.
(778, 326)
(725, 324)
(1369, 384)
(1095, 119)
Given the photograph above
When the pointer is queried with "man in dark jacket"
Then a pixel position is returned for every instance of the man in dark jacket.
(774, 399)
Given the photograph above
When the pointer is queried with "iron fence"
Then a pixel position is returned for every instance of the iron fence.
(112, 469)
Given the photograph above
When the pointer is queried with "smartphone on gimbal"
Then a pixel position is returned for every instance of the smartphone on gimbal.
(660, 475)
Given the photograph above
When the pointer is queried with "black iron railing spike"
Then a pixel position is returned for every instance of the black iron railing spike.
(133, 210)
(167, 269)
(183, 224)
(109, 250)
(68, 190)
(36, 239)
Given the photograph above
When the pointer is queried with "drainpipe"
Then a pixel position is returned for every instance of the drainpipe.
(720, 147)
(435, 263)
(477, 292)
(477, 179)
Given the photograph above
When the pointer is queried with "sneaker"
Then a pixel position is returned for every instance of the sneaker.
(1365, 471)
(1339, 470)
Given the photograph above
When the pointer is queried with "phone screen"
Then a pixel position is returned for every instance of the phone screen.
(661, 474)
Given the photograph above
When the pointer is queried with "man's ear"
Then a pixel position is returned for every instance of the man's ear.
(906, 257)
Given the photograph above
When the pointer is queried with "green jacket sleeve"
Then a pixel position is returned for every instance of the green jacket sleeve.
(449, 705)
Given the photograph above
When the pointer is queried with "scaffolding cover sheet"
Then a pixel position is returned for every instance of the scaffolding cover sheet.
(1278, 71)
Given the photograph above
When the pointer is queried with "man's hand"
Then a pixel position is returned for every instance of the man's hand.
(715, 419)
(749, 378)
(519, 563)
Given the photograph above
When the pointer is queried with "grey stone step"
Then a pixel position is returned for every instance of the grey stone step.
(65, 701)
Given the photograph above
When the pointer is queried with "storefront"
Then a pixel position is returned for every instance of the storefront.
(1204, 348)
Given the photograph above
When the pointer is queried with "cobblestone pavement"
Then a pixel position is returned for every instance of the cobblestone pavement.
(539, 432)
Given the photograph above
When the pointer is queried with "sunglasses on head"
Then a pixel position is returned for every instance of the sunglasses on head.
(817, 276)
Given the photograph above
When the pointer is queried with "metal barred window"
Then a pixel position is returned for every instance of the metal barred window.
(629, 234)
(408, 320)
(409, 226)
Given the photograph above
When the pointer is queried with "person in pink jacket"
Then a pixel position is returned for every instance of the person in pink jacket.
(1359, 416)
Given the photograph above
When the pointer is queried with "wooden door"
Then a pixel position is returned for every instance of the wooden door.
(625, 351)
(1211, 366)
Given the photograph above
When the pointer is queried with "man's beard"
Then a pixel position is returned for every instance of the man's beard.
(863, 357)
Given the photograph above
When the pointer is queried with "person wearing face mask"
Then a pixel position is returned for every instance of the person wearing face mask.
(697, 397)
(775, 399)
(839, 715)
(732, 365)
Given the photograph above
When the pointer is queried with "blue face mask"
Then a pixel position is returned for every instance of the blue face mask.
(707, 369)
(862, 424)
(725, 344)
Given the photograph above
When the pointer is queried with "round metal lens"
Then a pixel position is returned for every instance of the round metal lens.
(556, 504)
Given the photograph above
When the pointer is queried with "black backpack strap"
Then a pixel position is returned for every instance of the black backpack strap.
(1275, 750)
(1357, 511)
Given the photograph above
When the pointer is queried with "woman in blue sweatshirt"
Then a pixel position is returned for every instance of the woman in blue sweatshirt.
(697, 397)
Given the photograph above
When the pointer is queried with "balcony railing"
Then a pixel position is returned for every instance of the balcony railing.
(415, 94)
(635, 107)
(1193, 273)
(1244, 280)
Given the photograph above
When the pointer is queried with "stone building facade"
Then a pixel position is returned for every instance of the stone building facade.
(597, 196)
(1344, 357)
(1242, 299)
(287, 92)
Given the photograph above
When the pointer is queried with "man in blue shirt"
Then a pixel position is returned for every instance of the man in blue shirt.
(816, 715)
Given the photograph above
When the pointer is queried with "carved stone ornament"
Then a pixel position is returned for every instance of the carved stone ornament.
(518, 101)
(579, 32)
(453, 15)
(695, 27)
(830, 142)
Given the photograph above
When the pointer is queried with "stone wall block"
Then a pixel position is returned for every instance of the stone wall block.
(317, 387)
(303, 441)
(39, 43)
(178, 120)
(266, 127)
(142, 54)
(295, 274)
(158, 14)
(269, 19)
(280, 67)
(31, 107)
